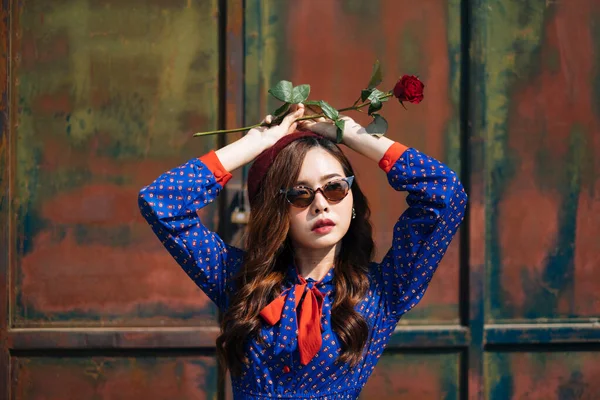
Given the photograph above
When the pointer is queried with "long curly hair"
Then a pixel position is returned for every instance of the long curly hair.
(269, 253)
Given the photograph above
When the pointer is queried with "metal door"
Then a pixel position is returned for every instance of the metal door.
(100, 96)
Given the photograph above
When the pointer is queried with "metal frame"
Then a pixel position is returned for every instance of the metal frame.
(5, 161)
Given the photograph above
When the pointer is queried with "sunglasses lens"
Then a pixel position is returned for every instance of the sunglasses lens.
(333, 191)
(300, 197)
(336, 191)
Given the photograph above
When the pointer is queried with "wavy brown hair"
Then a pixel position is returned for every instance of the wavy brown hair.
(269, 253)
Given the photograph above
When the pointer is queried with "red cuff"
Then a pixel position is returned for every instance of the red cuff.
(391, 156)
(213, 163)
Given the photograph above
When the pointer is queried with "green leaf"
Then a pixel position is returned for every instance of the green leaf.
(313, 103)
(375, 106)
(378, 127)
(340, 123)
(282, 110)
(282, 91)
(314, 106)
(365, 93)
(300, 93)
(376, 76)
(378, 95)
(329, 111)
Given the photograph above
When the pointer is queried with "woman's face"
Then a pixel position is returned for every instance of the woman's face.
(319, 168)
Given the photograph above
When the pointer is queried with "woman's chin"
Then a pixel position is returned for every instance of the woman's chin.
(322, 241)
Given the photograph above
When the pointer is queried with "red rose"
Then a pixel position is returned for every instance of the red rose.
(409, 88)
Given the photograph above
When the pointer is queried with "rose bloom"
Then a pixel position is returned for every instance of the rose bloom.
(409, 88)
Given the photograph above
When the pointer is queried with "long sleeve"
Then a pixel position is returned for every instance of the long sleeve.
(422, 234)
(170, 206)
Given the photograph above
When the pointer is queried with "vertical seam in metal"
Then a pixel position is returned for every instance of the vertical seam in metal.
(221, 141)
(467, 367)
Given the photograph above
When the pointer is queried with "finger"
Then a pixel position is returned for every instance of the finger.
(322, 128)
(267, 120)
(291, 117)
(293, 127)
(296, 107)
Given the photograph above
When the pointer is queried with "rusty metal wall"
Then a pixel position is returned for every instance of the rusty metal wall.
(535, 196)
(100, 96)
(107, 94)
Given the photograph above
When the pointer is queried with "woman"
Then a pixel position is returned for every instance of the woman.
(306, 314)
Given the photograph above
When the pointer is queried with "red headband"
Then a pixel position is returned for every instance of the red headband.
(261, 165)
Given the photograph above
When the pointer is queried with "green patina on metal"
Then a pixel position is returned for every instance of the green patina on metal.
(509, 33)
(131, 84)
(558, 274)
(266, 56)
(453, 136)
(525, 375)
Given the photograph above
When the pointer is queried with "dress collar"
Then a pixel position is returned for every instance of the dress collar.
(298, 310)
(294, 277)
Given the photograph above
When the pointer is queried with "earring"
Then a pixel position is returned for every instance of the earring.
(353, 213)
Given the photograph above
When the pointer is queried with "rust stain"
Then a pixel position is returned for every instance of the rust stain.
(402, 377)
(548, 107)
(97, 204)
(55, 48)
(114, 378)
(547, 376)
(48, 104)
(587, 254)
(526, 234)
(66, 276)
(164, 378)
(58, 152)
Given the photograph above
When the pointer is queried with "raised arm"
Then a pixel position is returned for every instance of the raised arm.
(437, 203)
(170, 205)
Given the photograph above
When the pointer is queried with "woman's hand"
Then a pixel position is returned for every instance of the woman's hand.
(269, 135)
(326, 128)
(257, 140)
(355, 136)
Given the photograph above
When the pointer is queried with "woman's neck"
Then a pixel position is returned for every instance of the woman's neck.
(315, 263)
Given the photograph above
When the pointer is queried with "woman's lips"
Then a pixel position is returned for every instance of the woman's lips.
(323, 226)
(323, 229)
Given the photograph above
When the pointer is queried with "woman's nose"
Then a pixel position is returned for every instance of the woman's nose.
(320, 203)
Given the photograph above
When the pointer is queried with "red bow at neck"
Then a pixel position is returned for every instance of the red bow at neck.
(310, 301)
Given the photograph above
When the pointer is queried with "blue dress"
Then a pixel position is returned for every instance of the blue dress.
(436, 201)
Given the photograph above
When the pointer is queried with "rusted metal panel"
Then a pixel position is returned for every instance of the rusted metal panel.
(541, 129)
(543, 375)
(415, 376)
(234, 114)
(333, 50)
(126, 378)
(5, 190)
(104, 97)
(4, 196)
(108, 95)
